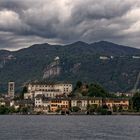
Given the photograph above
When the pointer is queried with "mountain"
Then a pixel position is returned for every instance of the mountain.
(110, 48)
(114, 66)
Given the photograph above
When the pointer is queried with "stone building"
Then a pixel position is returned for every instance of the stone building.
(48, 89)
(11, 89)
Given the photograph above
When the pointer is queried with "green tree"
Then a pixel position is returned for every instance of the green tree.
(58, 110)
(24, 110)
(78, 84)
(120, 108)
(102, 111)
(75, 109)
(23, 91)
(4, 110)
(92, 108)
(95, 90)
(115, 109)
(12, 110)
(136, 101)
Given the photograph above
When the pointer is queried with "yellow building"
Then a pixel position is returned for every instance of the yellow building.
(59, 104)
(97, 101)
(84, 102)
(115, 102)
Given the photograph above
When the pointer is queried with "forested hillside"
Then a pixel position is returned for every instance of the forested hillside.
(114, 66)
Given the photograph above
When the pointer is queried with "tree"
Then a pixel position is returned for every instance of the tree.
(136, 101)
(4, 110)
(78, 84)
(91, 108)
(102, 111)
(75, 109)
(58, 110)
(105, 106)
(24, 110)
(120, 108)
(23, 91)
(95, 90)
(115, 109)
(12, 110)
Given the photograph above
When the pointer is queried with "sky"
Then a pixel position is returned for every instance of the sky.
(27, 22)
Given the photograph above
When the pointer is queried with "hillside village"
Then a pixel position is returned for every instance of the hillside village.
(49, 96)
(62, 98)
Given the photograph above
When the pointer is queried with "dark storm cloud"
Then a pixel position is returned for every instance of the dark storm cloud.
(23, 23)
(10, 5)
(98, 10)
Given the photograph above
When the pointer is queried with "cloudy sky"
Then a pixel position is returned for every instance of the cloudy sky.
(26, 22)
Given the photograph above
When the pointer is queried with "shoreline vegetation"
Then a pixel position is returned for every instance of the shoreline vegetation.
(77, 114)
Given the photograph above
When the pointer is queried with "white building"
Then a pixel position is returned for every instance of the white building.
(84, 102)
(40, 101)
(41, 104)
(104, 58)
(28, 95)
(136, 57)
(81, 103)
(48, 89)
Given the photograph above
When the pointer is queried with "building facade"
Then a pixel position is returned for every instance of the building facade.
(117, 103)
(83, 103)
(11, 89)
(95, 101)
(48, 89)
(59, 104)
(79, 102)
(44, 104)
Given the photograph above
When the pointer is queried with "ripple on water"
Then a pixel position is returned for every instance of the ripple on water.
(69, 127)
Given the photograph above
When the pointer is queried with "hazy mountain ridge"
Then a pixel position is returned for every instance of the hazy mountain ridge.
(78, 61)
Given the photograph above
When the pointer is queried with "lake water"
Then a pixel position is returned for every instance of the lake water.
(69, 127)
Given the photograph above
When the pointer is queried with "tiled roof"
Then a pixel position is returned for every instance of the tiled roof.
(48, 82)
